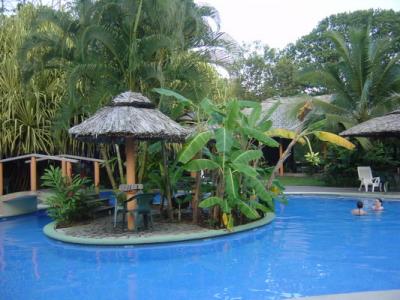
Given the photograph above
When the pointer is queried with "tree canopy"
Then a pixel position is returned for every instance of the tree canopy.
(316, 48)
(261, 72)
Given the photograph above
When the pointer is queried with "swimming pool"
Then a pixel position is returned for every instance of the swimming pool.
(314, 246)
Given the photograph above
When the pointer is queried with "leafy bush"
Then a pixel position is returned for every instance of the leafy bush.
(68, 203)
(341, 165)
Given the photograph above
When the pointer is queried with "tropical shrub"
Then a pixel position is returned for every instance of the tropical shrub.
(341, 165)
(68, 202)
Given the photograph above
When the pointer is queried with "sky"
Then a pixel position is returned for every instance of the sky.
(280, 22)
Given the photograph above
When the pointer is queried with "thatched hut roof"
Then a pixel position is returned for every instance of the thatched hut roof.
(129, 115)
(385, 126)
(281, 117)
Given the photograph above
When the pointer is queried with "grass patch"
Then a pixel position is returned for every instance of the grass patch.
(306, 181)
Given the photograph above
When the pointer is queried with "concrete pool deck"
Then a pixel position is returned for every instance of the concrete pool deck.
(381, 295)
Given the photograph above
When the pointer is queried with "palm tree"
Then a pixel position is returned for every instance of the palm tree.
(363, 82)
(110, 46)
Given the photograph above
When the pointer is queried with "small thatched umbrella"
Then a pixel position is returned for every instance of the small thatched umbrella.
(130, 117)
(385, 126)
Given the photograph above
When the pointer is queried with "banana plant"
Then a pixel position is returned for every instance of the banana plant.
(303, 138)
(231, 146)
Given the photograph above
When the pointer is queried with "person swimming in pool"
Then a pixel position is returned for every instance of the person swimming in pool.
(359, 210)
(378, 204)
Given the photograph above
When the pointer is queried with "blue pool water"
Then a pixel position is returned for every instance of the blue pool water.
(314, 246)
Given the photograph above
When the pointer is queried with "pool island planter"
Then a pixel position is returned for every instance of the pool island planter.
(50, 231)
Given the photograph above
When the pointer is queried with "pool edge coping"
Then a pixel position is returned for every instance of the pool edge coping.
(347, 194)
(367, 295)
(51, 232)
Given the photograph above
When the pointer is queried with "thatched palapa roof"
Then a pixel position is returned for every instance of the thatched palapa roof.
(385, 126)
(129, 115)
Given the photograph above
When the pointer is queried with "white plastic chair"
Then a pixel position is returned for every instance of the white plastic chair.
(365, 176)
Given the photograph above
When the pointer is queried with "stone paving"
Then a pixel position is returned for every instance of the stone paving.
(104, 228)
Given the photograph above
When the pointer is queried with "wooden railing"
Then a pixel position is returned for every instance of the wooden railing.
(66, 167)
(96, 165)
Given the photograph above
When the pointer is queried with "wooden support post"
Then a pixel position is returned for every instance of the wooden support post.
(33, 174)
(280, 156)
(69, 170)
(324, 150)
(1, 179)
(131, 149)
(96, 166)
(64, 168)
(168, 192)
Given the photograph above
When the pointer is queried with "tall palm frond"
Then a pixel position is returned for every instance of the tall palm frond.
(363, 81)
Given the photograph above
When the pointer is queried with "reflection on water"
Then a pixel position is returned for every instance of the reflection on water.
(314, 246)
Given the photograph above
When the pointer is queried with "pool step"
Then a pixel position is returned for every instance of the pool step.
(18, 204)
